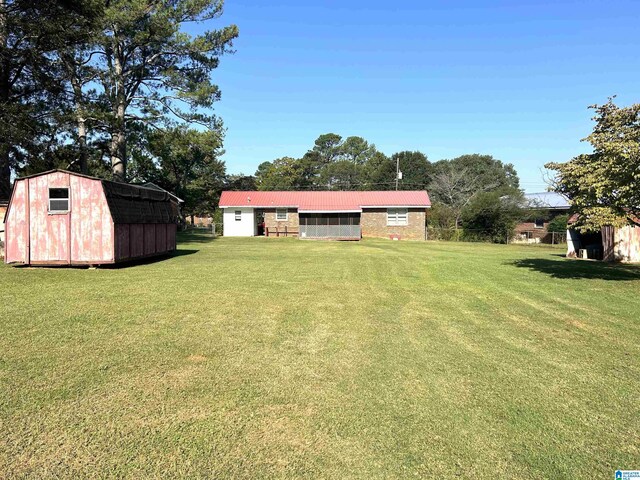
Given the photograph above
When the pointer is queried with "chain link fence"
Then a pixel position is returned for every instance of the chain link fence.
(476, 235)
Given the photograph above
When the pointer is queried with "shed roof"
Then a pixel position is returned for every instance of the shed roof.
(326, 201)
(547, 200)
(135, 204)
(158, 187)
(131, 203)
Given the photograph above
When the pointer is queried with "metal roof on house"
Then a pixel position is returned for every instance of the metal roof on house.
(326, 201)
(547, 200)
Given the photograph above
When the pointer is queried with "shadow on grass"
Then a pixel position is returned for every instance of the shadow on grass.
(575, 269)
(195, 237)
(149, 260)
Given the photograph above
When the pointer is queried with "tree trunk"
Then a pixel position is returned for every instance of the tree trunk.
(118, 153)
(82, 143)
(80, 117)
(118, 134)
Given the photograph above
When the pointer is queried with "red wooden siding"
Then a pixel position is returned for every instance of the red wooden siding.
(149, 239)
(171, 236)
(161, 237)
(138, 240)
(123, 241)
(91, 226)
(49, 233)
(17, 233)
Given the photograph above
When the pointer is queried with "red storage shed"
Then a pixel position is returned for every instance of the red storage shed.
(64, 218)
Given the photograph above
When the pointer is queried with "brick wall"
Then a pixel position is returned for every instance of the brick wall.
(292, 223)
(530, 227)
(374, 224)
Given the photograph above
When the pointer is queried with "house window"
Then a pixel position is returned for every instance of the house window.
(238, 215)
(539, 222)
(281, 214)
(397, 216)
(58, 200)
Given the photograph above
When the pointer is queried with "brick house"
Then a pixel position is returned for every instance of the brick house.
(326, 215)
(544, 207)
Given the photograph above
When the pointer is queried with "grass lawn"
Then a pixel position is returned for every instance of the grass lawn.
(254, 358)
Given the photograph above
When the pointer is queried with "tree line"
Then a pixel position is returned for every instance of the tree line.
(476, 191)
(116, 89)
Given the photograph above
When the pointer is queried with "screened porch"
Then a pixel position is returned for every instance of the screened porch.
(336, 226)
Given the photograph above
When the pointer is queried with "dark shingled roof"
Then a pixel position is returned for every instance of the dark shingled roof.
(134, 204)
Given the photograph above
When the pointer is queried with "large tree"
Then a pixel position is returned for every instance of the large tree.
(286, 173)
(83, 110)
(188, 164)
(416, 170)
(492, 216)
(456, 182)
(356, 150)
(379, 173)
(328, 147)
(341, 175)
(604, 186)
(30, 91)
(152, 71)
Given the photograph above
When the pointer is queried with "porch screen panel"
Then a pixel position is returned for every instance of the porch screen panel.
(330, 225)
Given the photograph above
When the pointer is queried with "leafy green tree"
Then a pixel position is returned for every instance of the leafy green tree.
(328, 147)
(558, 223)
(30, 90)
(284, 173)
(456, 182)
(151, 71)
(356, 150)
(379, 173)
(484, 170)
(240, 182)
(604, 186)
(341, 175)
(83, 111)
(492, 216)
(188, 164)
(416, 170)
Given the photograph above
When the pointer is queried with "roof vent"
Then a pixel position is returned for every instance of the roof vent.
(248, 199)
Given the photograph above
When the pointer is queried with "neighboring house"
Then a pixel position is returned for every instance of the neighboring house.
(545, 207)
(612, 244)
(64, 218)
(326, 214)
(199, 221)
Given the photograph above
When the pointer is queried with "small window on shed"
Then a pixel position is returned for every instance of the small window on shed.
(539, 222)
(59, 200)
(238, 215)
(397, 216)
(281, 214)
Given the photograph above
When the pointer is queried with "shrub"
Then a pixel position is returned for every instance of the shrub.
(491, 217)
(558, 224)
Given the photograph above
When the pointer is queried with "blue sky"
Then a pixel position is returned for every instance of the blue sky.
(510, 79)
